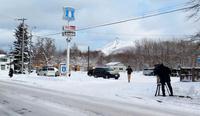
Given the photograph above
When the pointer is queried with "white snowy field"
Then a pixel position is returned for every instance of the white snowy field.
(141, 90)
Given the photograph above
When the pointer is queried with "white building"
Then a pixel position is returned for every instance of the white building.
(118, 66)
(5, 62)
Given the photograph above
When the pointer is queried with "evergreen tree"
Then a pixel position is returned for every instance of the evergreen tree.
(17, 51)
(2, 51)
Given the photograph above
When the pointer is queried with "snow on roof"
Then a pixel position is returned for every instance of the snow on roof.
(113, 63)
(2, 55)
(190, 67)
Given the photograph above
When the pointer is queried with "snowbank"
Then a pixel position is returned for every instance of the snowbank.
(141, 89)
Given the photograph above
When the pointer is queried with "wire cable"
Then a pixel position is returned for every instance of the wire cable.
(137, 18)
(128, 20)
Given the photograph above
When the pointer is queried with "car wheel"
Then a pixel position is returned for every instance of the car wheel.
(95, 76)
(116, 78)
(106, 76)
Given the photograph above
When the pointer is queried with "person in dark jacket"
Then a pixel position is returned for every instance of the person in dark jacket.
(129, 71)
(11, 72)
(163, 72)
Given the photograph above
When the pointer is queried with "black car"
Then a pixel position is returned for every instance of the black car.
(90, 72)
(104, 72)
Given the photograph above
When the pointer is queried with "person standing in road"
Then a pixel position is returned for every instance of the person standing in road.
(163, 72)
(129, 71)
(11, 72)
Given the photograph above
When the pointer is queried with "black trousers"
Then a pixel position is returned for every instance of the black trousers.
(169, 86)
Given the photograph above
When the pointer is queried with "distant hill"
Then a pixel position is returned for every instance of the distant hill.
(117, 46)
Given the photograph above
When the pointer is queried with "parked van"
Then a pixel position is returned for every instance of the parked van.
(148, 71)
(48, 71)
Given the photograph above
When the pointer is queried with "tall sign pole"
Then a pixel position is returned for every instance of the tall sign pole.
(68, 53)
(68, 32)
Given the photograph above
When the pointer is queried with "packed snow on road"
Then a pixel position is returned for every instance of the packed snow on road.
(140, 90)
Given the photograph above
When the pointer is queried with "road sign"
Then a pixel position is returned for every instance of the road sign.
(198, 59)
(69, 28)
(69, 33)
(63, 69)
(69, 14)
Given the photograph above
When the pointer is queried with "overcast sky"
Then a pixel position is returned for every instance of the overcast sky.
(46, 15)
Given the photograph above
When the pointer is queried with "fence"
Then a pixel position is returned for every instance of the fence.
(190, 74)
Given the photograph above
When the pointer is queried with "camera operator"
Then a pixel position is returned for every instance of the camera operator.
(163, 73)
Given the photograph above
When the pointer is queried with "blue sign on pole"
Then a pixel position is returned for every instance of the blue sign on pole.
(63, 69)
(69, 13)
(198, 60)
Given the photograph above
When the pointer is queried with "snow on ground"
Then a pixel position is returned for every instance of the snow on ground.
(140, 90)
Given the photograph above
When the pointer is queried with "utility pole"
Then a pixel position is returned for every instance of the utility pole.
(22, 68)
(88, 58)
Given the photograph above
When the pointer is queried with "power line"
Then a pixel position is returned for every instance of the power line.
(128, 20)
(133, 19)
(9, 17)
(135, 34)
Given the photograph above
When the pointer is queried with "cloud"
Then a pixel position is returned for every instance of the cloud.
(46, 15)
(6, 38)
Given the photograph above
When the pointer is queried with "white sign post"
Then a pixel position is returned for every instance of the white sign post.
(69, 32)
(63, 69)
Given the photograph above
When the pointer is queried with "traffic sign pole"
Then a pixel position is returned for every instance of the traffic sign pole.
(68, 54)
(68, 31)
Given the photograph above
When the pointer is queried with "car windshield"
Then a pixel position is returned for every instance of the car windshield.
(108, 69)
(51, 68)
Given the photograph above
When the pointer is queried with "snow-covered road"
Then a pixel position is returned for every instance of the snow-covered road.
(18, 100)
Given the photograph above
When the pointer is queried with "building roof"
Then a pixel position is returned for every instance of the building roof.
(113, 63)
(2, 55)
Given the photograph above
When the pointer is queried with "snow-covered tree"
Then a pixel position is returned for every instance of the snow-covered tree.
(18, 45)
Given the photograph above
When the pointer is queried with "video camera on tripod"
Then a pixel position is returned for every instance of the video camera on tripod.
(163, 77)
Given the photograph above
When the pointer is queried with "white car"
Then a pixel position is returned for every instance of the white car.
(48, 71)
(148, 72)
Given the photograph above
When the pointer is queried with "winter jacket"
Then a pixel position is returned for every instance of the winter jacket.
(163, 73)
(129, 70)
(11, 72)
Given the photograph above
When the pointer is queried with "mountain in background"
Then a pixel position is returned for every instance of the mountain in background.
(117, 46)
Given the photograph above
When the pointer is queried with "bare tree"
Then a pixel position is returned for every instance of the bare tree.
(194, 9)
(44, 51)
(147, 53)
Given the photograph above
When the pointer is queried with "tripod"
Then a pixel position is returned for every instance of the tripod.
(158, 89)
